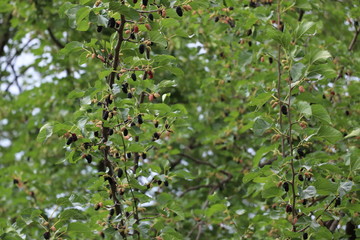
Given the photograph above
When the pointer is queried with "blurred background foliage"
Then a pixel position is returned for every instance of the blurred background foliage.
(223, 158)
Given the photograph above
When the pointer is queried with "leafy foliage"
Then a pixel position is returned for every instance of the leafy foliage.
(179, 119)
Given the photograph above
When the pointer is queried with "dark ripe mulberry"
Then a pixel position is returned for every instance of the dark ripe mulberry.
(132, 36)
(87, 145)
(281, 26)
(156, 135)
(159, 182)
(127, 214)
(112, 211)
(347, 113)
(89, 158)
(136, 138)
(151, 17)
(271, 60)
(120, 173)
(46, 235)
(96, 134)
(125, 132)
(145, 75)
(301, 177)
(109, 179)
(145, 2)
(288, 208)
(179, 11)
(167, 126)
(156, 124)
(305, 235)
(286, 186)
(148, 53)
(166, 183)
(124, 88)
(105, 115)
(143, 155)
(15, 181)
(108, 100)
(133, 76)
(253, 4)
(337, 202)
(75, 138)
(129, 95)
(250, 43)
(304, 202)
(134, 1)
(142, 48)
(249, 32)
(99, 28)
(151, 74)
(140, 120)
(111, 131)
(284, 110)
(111, 23)
(97, 207)
(216, 19)
(128, 155)
(231, 23)
(301, 152)
(69, 141)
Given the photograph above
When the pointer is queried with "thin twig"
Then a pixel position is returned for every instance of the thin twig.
(55, 40)
(279, 81)
(353, 41)
(195, 188)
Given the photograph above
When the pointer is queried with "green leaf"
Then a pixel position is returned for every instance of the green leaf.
(71, 47)
(303, 28)
(261, 152)
(260, 99)
(330, 134)
(260, 126)
(296, 71)
(320, 113)
(250, 176)
(78, 227)
(82, 14)
(174, 207)
(157, 37)
(45, 132)
(74, 214)
(345, 187)
(354, 133)
(325, 186)
(304, 108)
(164, 198)
(76, 93)
(309, 192)
(319, 56)
(271, 192)
(215, 209)
(129, 13)
(168, 233)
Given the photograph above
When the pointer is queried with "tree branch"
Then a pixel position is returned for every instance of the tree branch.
(116, 62)
(353, 41)
(6, 34)
(55, 40)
